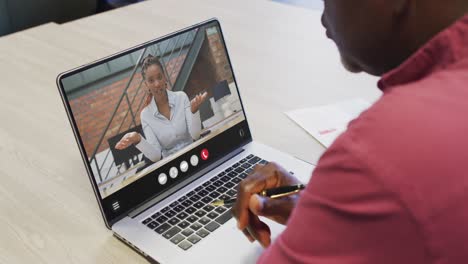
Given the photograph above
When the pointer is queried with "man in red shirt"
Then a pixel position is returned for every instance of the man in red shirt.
(393, 188)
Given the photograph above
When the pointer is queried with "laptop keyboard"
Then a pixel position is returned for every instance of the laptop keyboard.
(191, 218)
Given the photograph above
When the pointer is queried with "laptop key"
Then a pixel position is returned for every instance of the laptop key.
(224, 197)
(235, 165)
(220, 209)
(212, 215)
(181, 199)
(196, 226)
(225, 179)
(177, 239)
(200, 213)
(190, 210)
(190, 193)
(161, 219)
(156, 215)
(195, 198)
(207, 199)
(185, 245)
(182, 215)
(232, 174)
(194, 239)
(152, 225)
(202, 232)
(250, 156)
(170, 214)
(210, 188)
(242, 175)
(204, 221)
(192, 219)
(222, 174)
(263, 162)
(218, 183)
(202, 193)
(173, 221)
(171, 232)
(239, 170)
(198, 205)
(214, 194)
(179, 208)
(187, 203)
(208, 207)
(173, 204)
(254, 160)
(212, 226)
(229, 185)
(162, 228)
(231, 192)
(147, 220)
(236, 180)
(243, 160)
(183, 224)
(165, 209)
(224, 217)
(246, 166)
(206, 183)
(199, 188)
(187, 232)
(222, 189)
(228, 169)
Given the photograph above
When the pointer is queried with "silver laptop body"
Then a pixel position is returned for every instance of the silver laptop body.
(161, 208)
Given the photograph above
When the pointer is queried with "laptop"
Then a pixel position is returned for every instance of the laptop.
(156, 198)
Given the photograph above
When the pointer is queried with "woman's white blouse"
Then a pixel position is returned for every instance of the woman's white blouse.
(165, 137)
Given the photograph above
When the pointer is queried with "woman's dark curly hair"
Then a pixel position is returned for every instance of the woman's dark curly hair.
(148, 61)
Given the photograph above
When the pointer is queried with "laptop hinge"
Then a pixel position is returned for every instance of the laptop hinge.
(149, 203)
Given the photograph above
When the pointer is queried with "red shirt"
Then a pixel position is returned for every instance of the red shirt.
(394, 187)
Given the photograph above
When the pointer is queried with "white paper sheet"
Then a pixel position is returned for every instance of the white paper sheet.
(326, 123)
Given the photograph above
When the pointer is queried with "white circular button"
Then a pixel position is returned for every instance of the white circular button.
(194, 160)
(173, 172)
(162, 178)
(184, 166)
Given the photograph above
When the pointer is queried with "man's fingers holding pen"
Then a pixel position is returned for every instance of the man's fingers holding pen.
(276, 209)
(263, 177)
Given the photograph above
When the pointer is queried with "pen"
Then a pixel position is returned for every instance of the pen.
(271, 193)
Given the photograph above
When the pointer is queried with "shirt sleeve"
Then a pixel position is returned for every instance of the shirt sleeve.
(150, 146)
(193, 119)
(347, 216)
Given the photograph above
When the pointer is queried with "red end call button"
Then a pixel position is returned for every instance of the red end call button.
(204, 154)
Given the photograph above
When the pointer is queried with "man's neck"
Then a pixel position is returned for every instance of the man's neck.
(430, 18)
(435, 16)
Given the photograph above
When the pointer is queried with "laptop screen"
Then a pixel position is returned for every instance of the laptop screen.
(155, 115)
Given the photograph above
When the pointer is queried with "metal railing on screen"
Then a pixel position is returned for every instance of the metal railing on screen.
(169, 52)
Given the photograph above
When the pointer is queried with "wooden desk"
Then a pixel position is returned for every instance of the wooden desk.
(282, 61)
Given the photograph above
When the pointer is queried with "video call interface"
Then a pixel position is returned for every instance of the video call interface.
(142, 110)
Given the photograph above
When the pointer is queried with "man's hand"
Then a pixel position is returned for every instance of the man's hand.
(127, 140)
(249, 205)
(197, 101)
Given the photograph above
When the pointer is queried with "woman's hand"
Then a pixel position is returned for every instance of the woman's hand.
(249, 205)
(127, 140)
(197, 101)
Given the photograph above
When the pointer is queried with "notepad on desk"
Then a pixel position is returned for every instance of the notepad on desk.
(326, 123)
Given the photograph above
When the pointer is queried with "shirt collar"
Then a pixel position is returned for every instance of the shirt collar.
(171, 98)
(445, 49)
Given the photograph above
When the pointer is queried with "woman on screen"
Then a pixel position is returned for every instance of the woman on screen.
(170, 121)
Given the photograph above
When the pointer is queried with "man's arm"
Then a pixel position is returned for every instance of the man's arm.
(347, 216)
